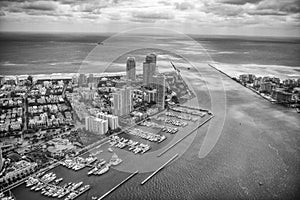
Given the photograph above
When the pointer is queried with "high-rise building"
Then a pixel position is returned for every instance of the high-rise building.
(90, 79)
(74, 79)
(1, 159)
(131, 68)
(150, 96)
(160, 83)
(149, 69)
(96, 125)
(82, 80)
(122, 102)
(151, 58)
(116, 103)
(2, 79)
(113, 121)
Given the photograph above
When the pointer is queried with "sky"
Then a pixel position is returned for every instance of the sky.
(205, 17)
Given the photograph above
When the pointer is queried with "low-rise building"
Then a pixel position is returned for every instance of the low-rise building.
(247, 78)
(290, 83)
(19, 168)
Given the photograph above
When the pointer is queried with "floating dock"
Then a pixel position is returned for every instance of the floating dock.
(149, 177)
(114, 188)
(167, 149)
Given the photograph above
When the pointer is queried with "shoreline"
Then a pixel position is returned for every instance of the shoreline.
(253, 90)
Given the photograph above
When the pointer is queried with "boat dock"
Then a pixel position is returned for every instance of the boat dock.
(149, 177)
(83, 191)
(114, 188)
(167, 149)
(14, 185)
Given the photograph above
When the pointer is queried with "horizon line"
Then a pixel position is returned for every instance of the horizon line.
(113, 33)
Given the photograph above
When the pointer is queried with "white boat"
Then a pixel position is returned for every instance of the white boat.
(58, 180)
(116, 162)
(103, 170)
(77, 185)
(102, 162)
(92, 171)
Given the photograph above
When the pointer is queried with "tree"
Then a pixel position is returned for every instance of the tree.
(175, 99)
(30, 78)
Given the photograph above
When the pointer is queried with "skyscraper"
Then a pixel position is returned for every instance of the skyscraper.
(160, 83)
(116, 104)
(151, 58)
(130, 68)
(149, 69)
(122, 102)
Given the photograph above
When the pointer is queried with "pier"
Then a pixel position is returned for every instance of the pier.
(149, 177)
(167, 149)
(114, 188)
(219, 70)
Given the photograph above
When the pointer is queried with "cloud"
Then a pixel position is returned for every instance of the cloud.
(224, 10)
(40, 5)
(288, 6)
(266, 12)
(157, 15)
(183, 6)
(166, 3)
(178, 14)
(240, 2)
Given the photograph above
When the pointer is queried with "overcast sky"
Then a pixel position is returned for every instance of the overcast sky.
(233, 17)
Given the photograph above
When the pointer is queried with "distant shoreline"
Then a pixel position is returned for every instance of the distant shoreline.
(193, 35)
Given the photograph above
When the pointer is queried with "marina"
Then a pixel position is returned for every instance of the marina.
(168, 148)
(48, 185)
(133, 146)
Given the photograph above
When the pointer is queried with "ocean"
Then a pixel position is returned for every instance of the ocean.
(257, 154)
(28, 53)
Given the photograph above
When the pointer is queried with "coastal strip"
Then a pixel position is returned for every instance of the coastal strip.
(253, 90)
(114, 188)
(167, 149)
(149, 177)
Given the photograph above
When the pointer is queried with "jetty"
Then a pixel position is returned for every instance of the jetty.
(114, 188)
(156, 171)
